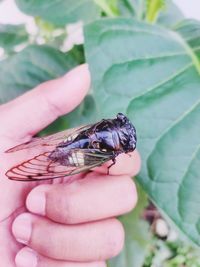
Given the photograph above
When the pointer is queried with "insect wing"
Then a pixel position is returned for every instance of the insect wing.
(41, 167)
(50, 140)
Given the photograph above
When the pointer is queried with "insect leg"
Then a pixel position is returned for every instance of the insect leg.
(113, 163)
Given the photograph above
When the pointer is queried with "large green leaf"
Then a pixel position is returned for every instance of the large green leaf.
(61, 12)
(152, 75)
(33, 65)
(11, 35)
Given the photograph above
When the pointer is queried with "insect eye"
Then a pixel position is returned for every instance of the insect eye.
(122, 118)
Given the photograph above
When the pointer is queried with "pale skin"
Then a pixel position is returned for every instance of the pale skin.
(55, 224)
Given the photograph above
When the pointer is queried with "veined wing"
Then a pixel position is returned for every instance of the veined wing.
(50, 140)
(41, 167)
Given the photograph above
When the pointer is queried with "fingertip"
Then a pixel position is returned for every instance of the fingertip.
(22, 228)
(82, 69)
(26, 257)
(118, 238)
(129, 164)
(36, 200)
(81, 77)
(67, 92)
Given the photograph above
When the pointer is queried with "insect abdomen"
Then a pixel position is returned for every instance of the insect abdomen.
(76, 159)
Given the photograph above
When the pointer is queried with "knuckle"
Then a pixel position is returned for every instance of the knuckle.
(115, 241)
(62, 203)
(68, 210)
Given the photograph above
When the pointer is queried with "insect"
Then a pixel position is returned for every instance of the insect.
(73, 151)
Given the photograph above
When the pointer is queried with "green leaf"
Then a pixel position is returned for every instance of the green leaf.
(30, 67)
(109, 7)
(12, 35)
(137, 236)
(152, 75)
(170, 15)
(61, 12)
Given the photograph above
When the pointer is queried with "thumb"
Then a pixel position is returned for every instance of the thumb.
(31, 112)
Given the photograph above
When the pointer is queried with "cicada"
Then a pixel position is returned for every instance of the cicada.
(73, 151)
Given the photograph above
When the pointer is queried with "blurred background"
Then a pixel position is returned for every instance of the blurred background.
(10, 14)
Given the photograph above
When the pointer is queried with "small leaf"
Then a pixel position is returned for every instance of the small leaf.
(12, 35)
(61, 12)
(170, 14)
(109, 7)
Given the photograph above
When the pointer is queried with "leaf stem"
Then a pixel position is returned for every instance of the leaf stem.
(153, 8)
(104, 5)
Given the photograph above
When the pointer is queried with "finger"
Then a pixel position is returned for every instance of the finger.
(28, 257)
(125, 164)
(39, 107)
(93, 198)
(95, 241)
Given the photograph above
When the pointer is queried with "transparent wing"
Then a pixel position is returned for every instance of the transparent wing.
(41, 167)
(50, 140)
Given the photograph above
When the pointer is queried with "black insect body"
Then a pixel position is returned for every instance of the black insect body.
(71, 152)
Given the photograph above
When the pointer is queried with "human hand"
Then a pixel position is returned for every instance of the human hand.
(65, 225)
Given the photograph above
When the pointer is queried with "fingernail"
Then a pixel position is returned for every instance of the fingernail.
(26, 258)
(22, 227)
(36, 201)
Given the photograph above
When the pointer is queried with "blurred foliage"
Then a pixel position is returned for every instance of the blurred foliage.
(61, 12)
(171, 254)
(137, 235)
(12, 35)
(147, 55)
(34, 65)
